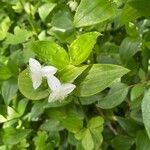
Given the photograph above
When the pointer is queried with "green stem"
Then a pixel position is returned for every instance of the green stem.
(29, 17)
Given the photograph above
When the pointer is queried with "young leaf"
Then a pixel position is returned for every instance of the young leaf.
(146, 111)
(100, 77)
(51, 53)
(79, 50)
(90, 13)
(19, 36)
(116, 96)
(70, 73)
(45, 9)
(13, 136)
(26, 87)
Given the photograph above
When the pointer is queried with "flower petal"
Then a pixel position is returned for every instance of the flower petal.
(48, 70)
(53, 83)
(53, 97)
(35, 72)
(66, 89)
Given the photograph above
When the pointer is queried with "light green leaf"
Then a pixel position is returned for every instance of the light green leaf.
(95, 122)
(19, 36)
(100, 77)
(40, 140)
(9, 90)
(70, 73)
(146, 111)
(21, 107)
(45, 10)
(72, 122)
(79, 50)
(87, 141)
(13, 136)
(90, 13)
(26, 87)
(51, 53)
(116, 96)
(5, 72)
(4, 26)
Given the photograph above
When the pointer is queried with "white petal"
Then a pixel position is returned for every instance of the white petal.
(35, 72)
(53, 97)
(48, 70)
(53, 83)
(66, 89)
(34, 65)
(36, 80)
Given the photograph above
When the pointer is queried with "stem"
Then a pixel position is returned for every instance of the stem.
(83, 110)
(29, 17)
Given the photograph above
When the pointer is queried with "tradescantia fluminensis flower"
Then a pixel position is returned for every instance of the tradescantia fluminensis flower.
(37, 72)
(59, 91)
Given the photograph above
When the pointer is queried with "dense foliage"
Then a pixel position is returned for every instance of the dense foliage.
(102, 47)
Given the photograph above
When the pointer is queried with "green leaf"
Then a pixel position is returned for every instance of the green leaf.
(72, 122)
(51, 125)
(137, 91)
(4, 26)
(146, 111)
(26, 87)
(87, 141)
(129, 125)
(142, 141)
(19, 36)
(122, 142)
(100, 77)
(40, 140)
(9, 90)
(95, 122)
(13, 136)
(21, 107)
(70, 73)
(142, 6)
(92, 13)
(115, 97)
(128, 14)
(128, 48)
(5, 73)
(45, 10)
(79, 50)
(37, 110)
(51, 53)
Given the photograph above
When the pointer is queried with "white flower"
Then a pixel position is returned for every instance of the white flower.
(59, 91)
(73, 5)
(37, 72)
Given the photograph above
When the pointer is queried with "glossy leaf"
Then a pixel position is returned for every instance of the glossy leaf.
(116, 96)
(70, 73)
(92, 13)
(51, 53)
(26, 87)
(79, 50)
(100, 77)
